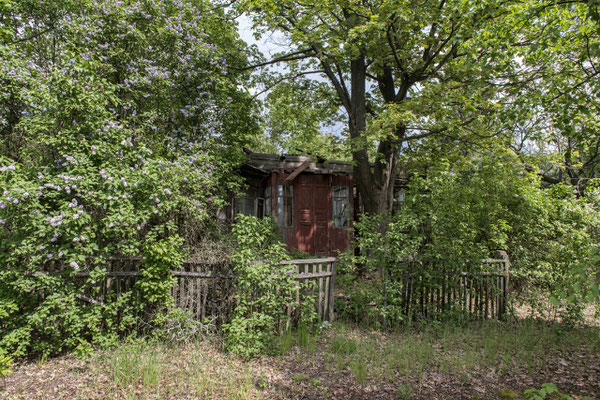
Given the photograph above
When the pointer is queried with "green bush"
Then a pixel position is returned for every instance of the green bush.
(462, 212)
(265, 290)
(5, 362)
(111, 145)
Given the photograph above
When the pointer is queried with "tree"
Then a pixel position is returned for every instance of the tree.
(554, 120)
(300, 117)
(402, 71)
(117, 124)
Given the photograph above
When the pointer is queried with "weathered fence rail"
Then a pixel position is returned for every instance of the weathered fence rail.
(205, 289)
(434, 290)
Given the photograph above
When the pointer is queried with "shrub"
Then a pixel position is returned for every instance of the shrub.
(265, 290)
(112, 146)
(461, 212)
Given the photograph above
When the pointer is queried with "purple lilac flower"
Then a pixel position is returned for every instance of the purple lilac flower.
(74, 265)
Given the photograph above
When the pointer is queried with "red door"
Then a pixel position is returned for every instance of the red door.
(304, 218)
(321, 223)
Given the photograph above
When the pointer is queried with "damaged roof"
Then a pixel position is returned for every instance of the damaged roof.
(267, 163)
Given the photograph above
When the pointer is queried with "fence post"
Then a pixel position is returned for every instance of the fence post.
(331, 300)
(504, 256)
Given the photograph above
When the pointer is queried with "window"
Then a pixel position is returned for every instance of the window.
(285, 206)
(341, 206)
(398, 199)
(249, 204)
(268, 200)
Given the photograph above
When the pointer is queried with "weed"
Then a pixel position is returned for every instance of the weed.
(306, 338)
(301, 377)
(285, 342)
(404, 391)
(359, 369)
(342, 345)
(315, 382)
(136, 363)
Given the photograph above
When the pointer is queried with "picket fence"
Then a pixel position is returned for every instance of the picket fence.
(436, 288)
(205, 289)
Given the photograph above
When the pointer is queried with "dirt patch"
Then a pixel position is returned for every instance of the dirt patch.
(344, 363)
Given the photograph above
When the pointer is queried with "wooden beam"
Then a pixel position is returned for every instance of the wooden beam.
(296, 172)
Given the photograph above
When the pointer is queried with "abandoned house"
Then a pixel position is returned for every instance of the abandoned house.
(311, 200)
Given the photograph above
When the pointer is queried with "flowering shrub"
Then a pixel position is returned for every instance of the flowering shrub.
(115, 118)
(265, 291)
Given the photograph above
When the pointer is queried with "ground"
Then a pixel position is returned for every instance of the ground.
(472, 360)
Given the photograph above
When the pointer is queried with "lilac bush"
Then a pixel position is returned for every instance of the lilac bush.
(117, 124)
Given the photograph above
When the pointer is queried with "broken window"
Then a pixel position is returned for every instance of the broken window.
(249, 204)
(341, 206)
(285, 206)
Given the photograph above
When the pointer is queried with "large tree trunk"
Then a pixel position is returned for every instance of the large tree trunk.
(375, 182)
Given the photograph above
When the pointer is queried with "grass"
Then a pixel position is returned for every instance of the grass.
(457, 348)
(341, 344)
(302, 337)
(136, 364)
(400, 360)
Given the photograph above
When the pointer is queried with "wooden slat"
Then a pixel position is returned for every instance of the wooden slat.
(332, 292)
(326, 292)
(320, 300)
(311, 275)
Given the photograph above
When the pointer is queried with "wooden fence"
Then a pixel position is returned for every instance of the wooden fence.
(436, 289)
(205, 289)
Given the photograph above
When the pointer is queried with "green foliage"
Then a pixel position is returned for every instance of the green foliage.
(160, 258)
(548, 389)
(113, 125)
(300, 113)
(5, 362)
(464, 210)
(265, 289)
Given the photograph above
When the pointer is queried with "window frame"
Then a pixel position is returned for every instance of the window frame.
(340, 220)
(285, 198)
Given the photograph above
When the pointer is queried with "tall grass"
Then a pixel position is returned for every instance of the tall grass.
(136, 364)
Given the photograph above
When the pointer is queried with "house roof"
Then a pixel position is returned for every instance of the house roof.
(267, 163)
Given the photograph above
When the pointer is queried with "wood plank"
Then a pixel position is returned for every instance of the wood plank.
(326, 294)
(193, 274)
(296, 172)
(320, 301)
(310, 275)
(332, 292)
(306, 261)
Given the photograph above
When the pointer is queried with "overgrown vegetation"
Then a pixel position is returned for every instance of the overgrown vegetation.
(265, 289)
(114, 120)
(465, 210)
(489, 359)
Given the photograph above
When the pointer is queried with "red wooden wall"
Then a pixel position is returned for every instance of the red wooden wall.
(313, 230)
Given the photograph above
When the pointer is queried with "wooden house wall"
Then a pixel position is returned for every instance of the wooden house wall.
(313, 230)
